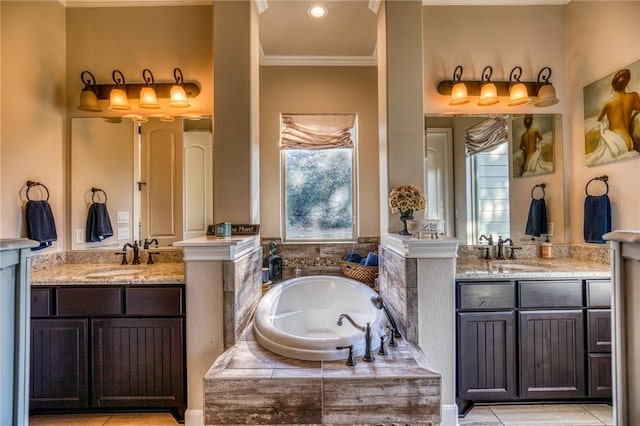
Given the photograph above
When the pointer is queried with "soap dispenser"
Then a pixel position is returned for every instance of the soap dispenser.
(546, 249)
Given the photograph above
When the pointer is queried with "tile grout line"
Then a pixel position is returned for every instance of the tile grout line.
(495, 414)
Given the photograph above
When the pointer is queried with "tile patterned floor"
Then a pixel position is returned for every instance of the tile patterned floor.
(494, 415)
(543, 414)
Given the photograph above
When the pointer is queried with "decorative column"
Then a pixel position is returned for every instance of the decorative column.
(417, 278)
(625, 256)
(217, 272)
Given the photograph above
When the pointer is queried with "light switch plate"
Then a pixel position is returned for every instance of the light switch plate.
(123, 217)
(79, 236)
(123, 233)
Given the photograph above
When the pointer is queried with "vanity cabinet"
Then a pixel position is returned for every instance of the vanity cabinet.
(526, 340)
(114, 347)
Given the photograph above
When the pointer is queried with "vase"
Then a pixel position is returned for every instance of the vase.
(404, 216)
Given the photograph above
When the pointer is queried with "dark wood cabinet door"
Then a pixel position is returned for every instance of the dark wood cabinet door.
(486, 356)
(600, 383)
(552, 354)
(599, 330)
(59, 368)
(138, 362)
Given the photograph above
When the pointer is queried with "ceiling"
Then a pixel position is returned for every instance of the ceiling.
(289, 36)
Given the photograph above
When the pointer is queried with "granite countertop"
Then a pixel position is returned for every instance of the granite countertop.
(101, 273)
(481, 269)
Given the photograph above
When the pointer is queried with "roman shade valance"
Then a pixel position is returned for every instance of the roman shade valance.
(485, 135)
(316, 131)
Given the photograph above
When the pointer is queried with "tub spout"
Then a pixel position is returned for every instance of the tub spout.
(353, 323)
(378, 302)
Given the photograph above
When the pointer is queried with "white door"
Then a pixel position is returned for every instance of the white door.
(160, 182)
(439, 176)
(198, 182)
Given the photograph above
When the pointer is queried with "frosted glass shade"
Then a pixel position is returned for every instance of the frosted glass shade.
(488, 94)
(459, 94)
(546, 96)
(178, 97)
(518, 95)
(118, 100)
(148, 98)
(89, 101)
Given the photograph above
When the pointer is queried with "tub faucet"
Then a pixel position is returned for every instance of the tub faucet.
(378, 302)
(136, 252)
(353, 323)
(368, 354)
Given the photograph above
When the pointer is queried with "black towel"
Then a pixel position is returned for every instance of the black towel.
(597, 218)
(98, 223)
(537, 220)
(40, 224)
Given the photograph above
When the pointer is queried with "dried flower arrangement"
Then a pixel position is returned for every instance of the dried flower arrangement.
(406, 197)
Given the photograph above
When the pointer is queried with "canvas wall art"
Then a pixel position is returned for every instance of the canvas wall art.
(532, 144)
(612, 117)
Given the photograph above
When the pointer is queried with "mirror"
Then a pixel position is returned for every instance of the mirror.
(452, 176)
(156, 179)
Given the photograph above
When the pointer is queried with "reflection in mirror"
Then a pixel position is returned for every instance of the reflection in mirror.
(157, 177)
(490, 191)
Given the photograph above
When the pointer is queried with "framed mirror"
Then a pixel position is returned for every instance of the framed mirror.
(155, 179)
(487, 192)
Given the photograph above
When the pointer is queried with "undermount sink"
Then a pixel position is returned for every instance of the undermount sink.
(114, 272)
(520, 266)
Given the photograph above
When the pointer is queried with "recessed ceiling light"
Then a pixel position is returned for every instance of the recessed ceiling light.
(318, 11)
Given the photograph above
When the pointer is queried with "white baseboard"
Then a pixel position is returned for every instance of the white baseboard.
(449, 415)
(194, 417)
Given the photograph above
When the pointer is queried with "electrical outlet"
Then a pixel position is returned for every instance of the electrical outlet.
(123, 217)
(79, 236)
(123, 233)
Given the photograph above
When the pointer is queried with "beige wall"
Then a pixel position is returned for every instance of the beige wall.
(602, 37)
(319, 90)
(33, 110)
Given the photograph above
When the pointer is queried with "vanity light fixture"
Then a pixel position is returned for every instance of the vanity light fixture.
(546, 91)
(148, 97)
(490, 91)
(459, 93)
(88, 96)
(118, 97)
(119, 92)
(178, 95)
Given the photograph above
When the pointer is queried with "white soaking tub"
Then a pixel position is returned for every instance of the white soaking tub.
(298, 318)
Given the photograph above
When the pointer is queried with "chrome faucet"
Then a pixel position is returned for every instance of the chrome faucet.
(353, 323)
(501, 244)
(136, 252)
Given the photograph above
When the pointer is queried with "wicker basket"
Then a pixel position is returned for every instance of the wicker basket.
(364, 274)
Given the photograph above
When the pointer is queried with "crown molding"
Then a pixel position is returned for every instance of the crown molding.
(134, 3)
(318, 61)
(493, 2)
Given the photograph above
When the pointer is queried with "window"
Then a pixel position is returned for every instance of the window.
(318, 157)
(489, 183)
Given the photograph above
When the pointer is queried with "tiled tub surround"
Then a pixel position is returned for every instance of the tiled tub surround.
(250, 385)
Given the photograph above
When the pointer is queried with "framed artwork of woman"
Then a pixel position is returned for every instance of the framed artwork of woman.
(532, 142)
(612, 117)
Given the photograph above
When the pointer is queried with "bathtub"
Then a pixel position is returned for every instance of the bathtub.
(298, 318)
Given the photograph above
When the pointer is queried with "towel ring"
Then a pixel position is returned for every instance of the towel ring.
(31, 184)
(604, 179)
(93, 195)
(541, 186)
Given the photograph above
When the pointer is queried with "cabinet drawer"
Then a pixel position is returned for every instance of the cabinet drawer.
(550, 294)
(599, 294)
(41, 302)
(154, 301)
(89, 301)
(487, 296)
(599, 330)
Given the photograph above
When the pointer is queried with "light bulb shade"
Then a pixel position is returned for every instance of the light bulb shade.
(518, 95)
(88, 101)
(118, 100)
(148, 98)
(459, 94)
(178, 97)
(546, 96)
(488, 94)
